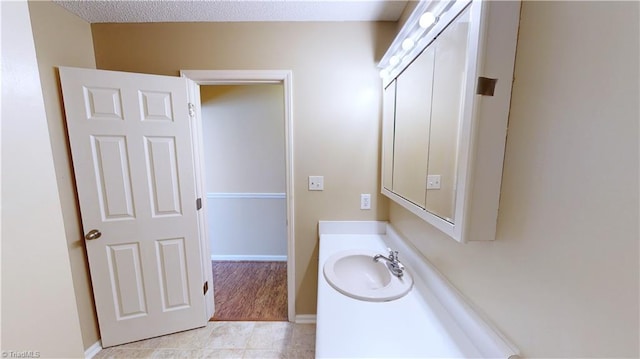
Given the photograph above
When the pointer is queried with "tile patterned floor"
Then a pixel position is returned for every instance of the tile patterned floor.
(264, 340)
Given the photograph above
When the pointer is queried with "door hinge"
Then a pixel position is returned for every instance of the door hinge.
(205, 288)
(192, 110)
(198, 204)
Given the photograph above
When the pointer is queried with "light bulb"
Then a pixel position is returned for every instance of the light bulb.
(394, 60)
(407, 44)
(427, 19)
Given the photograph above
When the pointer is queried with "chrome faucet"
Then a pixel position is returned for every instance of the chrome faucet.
(393, 263)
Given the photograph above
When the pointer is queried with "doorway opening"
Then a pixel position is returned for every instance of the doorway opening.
(245, 184)
(250, 206)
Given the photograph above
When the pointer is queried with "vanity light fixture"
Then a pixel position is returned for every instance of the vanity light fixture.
(427, 19)
(421, 27)
(408, 44)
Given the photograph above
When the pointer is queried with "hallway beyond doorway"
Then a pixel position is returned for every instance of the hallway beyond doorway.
(250, 290)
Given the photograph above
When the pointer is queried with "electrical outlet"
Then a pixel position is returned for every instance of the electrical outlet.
(316, 183)
(433, 182)
(365, 201)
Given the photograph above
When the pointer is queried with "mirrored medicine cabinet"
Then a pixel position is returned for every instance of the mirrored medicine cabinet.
(446, 93)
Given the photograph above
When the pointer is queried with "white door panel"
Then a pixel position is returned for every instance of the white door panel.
(132, 152)
(196, 130)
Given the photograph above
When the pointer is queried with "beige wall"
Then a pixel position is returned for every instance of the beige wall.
(63, 39)
(243, 132)
(336, 104)
(562, 278)
(39, 310)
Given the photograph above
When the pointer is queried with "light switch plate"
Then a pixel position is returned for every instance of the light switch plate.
(316, 183)
(365, 201)
(433, 182)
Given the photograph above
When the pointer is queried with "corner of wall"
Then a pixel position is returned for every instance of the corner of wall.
(63, 39)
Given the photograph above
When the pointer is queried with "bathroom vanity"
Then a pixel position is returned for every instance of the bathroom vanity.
(446, 82)
(431, 320)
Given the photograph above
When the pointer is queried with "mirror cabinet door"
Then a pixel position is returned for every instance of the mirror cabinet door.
(411, 138)
(388, 122)
(443, 144)
(446, 114)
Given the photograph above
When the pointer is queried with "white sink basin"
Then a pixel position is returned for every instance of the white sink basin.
(355, 274)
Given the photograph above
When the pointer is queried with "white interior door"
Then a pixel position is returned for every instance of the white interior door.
(196, 134)
(133, 159)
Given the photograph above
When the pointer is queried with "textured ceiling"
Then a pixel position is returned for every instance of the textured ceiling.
(234, 10)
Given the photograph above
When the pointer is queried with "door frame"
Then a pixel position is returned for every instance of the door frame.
(247, 77)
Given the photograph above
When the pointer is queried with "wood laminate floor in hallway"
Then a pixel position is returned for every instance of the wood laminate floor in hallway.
(250, 291)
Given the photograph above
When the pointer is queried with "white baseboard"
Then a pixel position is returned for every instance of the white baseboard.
(93, 350)
(306, 319)
(248, 258)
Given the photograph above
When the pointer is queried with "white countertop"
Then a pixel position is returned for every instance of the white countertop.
(414, 326)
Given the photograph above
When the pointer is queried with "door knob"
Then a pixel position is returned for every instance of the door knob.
(93, 234)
